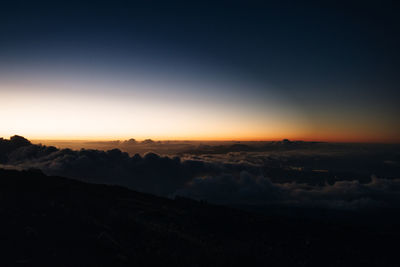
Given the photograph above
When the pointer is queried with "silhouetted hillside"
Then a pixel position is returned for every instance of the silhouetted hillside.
(55, 221)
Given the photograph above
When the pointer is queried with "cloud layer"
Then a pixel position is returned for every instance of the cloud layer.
(258, 190)
(253, 178)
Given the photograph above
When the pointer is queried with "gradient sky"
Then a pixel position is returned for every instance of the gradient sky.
(211, 70)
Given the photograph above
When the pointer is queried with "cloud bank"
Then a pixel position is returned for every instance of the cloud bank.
(232, 178)
(258, 190)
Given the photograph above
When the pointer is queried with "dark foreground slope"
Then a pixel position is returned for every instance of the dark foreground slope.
(54, 221)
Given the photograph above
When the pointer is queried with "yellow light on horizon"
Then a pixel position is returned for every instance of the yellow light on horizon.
(42, 113)
(75, 112)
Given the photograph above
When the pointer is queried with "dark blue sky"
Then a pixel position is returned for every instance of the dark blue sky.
(340, 60)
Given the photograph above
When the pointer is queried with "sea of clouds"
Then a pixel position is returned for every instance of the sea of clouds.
(230, 178)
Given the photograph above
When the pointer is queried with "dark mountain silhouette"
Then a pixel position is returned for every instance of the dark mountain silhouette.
(130, 142)
(55, 221)
(148, 141)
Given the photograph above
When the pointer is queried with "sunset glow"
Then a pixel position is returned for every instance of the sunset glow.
(60, 110)
(199, 133)
(242, 82)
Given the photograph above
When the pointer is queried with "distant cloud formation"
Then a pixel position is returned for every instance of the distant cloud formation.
(148, 173)
(242, 177)
(257, 190)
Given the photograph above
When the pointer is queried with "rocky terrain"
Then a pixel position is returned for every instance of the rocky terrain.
(55, 221)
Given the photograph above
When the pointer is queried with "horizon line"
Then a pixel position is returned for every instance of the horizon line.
(108, 139)
(220, 140)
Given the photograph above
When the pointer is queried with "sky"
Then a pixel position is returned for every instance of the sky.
(220, 70)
